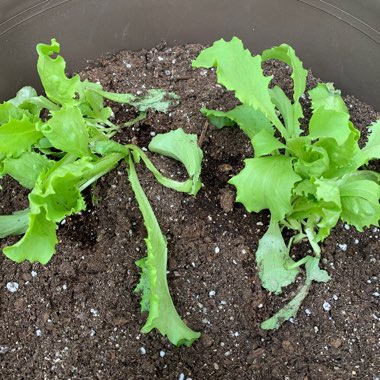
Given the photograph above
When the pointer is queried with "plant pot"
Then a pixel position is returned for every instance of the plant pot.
(338, 39)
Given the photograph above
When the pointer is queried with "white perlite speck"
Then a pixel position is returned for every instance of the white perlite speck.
(4, 349)
(142, 350)
(12, 286)
(308, 312)
(326, 306)
(162, 353)
(343, 247)
(38, 332)
(94, 312)
(33, 273)
(181, 377)
(212, 293)
(217, 249)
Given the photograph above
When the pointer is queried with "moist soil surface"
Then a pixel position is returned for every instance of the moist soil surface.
(78, 318)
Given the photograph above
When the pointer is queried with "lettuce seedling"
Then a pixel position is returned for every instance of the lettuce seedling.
(60, 155)
(308, 180)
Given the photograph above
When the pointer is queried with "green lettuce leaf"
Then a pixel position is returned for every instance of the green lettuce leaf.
(272, 258)
(155, 99)
(325, 96)
(249, 120)
(312, 160)
(265, 143)
(329, 123)
(291, 113)
(313, 273)
(51, 70)
(14, 224)
(26, 168)
(17, 137)
(57, 190)
(372, 148)
(38, 243)
(286, 53)
(66, 131)
(153, 284)
(266, 183)
(182, 147)
(360, 194)
(238, 71)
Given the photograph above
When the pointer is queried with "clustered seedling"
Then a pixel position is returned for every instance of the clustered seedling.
(60, 155)
(308, 180)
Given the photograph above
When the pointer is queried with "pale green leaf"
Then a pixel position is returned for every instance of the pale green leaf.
(313, 273)
(272, 257)
(360, 200)
(239, 71)
(26, 168)
(286, 53)
(17, 136)
(291, 113)
(329, 123)
(14, 224)
(342, 157)
(156, 298)
(57, 190)
(266, 183)
(249, 120)
(182, 147)
(38, 243)
(10, 112)
(312, 160)
(325, 96)
(372, 148)
(66, 130)
(57, 85)
(265, 143)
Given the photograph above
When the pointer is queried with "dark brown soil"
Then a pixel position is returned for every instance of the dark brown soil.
(77, 317)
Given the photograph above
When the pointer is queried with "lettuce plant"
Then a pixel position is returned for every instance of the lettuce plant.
(60, 155)
(307, 179)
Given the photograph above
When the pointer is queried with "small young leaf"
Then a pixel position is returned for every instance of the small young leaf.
(266, 183)
(66, 130)
(10, 112)
(313, 160)
(249, 120)
(291, 113)
(238, 71)
(182, 147)
(265, 143)
(57, 86)
(271, 257)
(325, 96)
(329, 123)
(286, 53)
